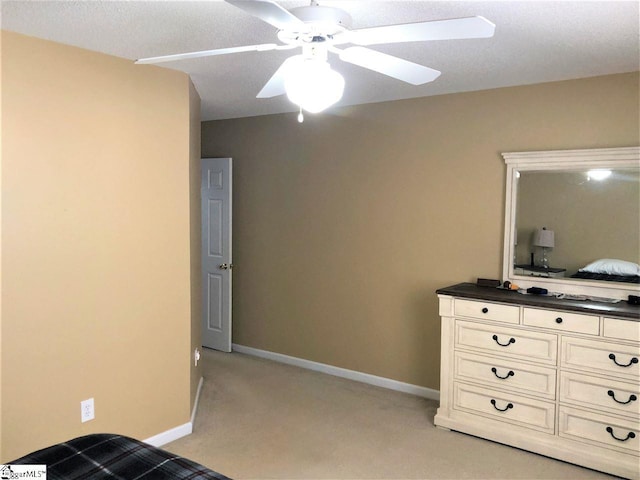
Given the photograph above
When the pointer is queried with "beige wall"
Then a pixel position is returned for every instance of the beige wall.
(1, 136)
(195, 239)
(345, 225)
(95, 244)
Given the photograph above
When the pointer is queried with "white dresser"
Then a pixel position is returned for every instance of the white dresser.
(556, 377)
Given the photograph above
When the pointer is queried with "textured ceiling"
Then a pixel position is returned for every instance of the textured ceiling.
(535, 42)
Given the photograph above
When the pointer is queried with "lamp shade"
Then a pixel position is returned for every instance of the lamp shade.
(544, 238)
(313, 85)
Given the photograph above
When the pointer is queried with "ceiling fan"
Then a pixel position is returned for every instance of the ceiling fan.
(307, 78)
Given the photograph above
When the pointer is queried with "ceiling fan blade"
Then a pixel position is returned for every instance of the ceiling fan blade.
(275, 85)
(208, 53)
(389, 65)
(270, 12)
(457, 28)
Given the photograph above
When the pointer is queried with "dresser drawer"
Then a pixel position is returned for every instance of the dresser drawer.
(506, 374)
(622, 435)
(507, 407)
(623, 329)
(604, 357)
(508, 342)
(563, 321)
(594, 392)
(487, 311)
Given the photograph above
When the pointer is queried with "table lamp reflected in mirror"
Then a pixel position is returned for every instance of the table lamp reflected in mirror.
(544, 238)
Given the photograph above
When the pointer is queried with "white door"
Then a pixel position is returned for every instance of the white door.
(216, 253)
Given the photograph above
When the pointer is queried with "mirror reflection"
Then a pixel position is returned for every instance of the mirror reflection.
(578, 224)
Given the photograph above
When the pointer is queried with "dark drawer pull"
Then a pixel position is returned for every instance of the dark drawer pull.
(485, 310)
(632, 397)
(511, 340)
(509, 405)
(631, 362)
(495, 372)
(559, 320)
(629, 435)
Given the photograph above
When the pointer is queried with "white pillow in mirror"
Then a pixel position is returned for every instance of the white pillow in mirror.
(612, 266)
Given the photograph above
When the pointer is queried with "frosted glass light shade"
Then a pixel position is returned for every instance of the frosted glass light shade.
(598, 174)
(312, 85)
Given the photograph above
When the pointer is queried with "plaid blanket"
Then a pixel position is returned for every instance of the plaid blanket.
(114, 457)
(607, 278)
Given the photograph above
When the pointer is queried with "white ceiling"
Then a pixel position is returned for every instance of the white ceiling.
(535, 41)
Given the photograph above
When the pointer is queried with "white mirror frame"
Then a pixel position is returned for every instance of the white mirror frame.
(561, 160)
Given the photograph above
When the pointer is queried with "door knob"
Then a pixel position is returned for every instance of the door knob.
(225, 266)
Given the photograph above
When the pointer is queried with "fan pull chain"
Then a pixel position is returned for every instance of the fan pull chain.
(300, 116)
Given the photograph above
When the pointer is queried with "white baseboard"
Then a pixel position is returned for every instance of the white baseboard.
(341, 372)
(197, 401)
(170, 435)
(179, 431)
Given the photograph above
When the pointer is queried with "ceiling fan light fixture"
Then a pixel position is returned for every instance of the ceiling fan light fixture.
(598, 174)
(313, 85)
(307, 79)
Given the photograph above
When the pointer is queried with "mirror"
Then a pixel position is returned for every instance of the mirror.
(585, 218)
(591, 217)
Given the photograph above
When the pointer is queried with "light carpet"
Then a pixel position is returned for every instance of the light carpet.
(259, 419)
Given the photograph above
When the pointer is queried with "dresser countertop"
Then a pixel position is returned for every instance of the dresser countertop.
(470, 290)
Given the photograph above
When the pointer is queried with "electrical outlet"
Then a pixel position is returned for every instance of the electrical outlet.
(86, 410)
(196, 357)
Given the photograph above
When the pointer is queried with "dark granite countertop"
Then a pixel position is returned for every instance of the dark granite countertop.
(470, 290)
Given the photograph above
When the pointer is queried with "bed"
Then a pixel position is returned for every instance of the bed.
(108, 457)
(606, 277)
(610, 270)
